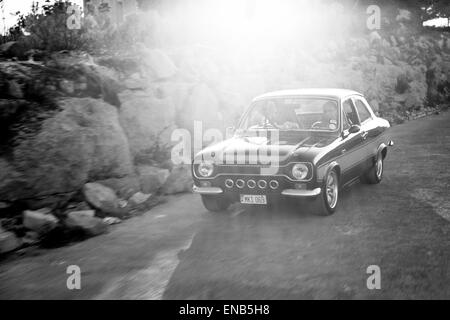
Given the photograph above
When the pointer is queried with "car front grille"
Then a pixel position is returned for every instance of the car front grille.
(248, 169)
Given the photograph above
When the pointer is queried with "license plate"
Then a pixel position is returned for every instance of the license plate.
(253, 199)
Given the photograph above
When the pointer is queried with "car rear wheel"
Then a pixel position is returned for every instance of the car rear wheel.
(327, 201)
(375, 174)
(215, 203)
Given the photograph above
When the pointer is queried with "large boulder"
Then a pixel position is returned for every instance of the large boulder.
(146, 120)
(82, 142)
(103, 199)
(86, 221)
(179, 180)
(12, 183)
(152, 178)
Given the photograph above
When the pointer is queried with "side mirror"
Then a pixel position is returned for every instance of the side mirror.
(354, 129)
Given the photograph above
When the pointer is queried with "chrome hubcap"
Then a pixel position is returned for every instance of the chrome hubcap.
(379, 166)
(332, 189)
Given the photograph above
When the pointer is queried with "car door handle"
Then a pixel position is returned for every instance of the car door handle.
(364, 135)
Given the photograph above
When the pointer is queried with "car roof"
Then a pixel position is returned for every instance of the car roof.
(320, 92)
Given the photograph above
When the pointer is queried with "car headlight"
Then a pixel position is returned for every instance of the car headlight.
(300, 171)
(205, 169)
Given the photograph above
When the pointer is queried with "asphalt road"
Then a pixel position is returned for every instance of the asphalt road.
(180, 251)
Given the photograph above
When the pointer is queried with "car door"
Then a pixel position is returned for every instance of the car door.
(369, 133)
(350, 147)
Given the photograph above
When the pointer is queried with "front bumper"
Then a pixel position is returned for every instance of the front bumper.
(286, 192)
(301, 193)
(207, 190)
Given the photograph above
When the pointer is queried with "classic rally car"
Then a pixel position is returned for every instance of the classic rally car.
(305, 144)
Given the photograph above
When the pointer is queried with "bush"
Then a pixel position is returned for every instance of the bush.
(46, 29)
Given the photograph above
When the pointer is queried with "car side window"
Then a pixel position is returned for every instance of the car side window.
(350, 115)
(364, 114)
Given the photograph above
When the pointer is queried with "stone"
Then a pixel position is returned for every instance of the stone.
(41, 221)
(102, 198)
(139, 198)
(179, 180)
(8, 241)
(82, 142)
(152, 178)
(86, 221)
(124, 187)
(111, 220)
(123, 203)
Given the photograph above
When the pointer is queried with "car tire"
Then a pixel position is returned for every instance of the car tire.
(215, 203)
(375, 174)
(326, 203)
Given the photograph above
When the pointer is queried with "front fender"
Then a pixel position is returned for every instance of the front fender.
(382, 148)
(322, 172)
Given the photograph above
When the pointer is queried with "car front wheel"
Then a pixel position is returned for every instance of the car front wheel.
(215, 203)
(327, 201)
(375, 174)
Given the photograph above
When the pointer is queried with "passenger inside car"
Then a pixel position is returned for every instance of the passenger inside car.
(350, 116)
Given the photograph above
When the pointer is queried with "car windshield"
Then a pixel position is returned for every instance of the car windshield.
(311, 114)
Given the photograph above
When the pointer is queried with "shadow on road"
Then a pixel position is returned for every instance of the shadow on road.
(287, 253)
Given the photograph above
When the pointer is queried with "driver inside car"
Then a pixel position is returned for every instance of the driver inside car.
(329, 117)
(270, 116)
(280, 117)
